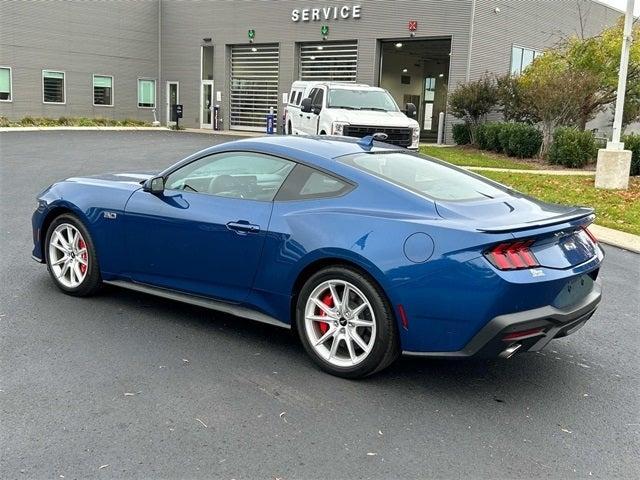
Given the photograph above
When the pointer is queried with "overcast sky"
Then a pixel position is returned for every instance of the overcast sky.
(622, 5)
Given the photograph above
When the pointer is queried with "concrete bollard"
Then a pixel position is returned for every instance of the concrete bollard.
(612, 169)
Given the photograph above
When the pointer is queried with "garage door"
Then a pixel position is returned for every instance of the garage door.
(336, 61)
(254, 85)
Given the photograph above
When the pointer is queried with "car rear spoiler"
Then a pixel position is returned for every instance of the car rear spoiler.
(579, 213)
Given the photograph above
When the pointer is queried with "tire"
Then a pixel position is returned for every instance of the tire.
(368, 315)
(73, 266)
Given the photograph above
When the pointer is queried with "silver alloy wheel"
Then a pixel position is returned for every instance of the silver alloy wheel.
(340, 323)
(68, 257)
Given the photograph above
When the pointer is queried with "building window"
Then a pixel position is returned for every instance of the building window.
(53, 90)
(521, 58)
(5, 84)
(146, 93)
(103, 90)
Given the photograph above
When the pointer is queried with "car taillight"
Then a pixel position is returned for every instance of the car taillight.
(591, 235)
(512, 256)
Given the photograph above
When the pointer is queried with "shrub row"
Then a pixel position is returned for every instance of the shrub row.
(71, 122)
(572, 148)
(515, 139)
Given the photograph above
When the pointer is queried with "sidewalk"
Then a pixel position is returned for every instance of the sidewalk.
(61, 127)
(230, 133)
(535, 172)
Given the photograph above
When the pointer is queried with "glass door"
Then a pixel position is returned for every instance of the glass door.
(429, 98)
(206, 104)
(173, 98)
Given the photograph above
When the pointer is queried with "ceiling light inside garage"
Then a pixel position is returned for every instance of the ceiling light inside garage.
(254, 49)
(399, 45)
(404, 70)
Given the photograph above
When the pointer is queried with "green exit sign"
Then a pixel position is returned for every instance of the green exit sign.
(251, 33)
(324, 30)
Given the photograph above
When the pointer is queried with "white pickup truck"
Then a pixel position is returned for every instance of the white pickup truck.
(353, 110)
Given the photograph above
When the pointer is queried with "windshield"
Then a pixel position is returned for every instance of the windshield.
(361, 100)
(424, 176)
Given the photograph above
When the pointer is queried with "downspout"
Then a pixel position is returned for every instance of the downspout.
(473, 20)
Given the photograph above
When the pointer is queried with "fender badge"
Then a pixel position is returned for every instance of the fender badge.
(110, 215)
(536, 272)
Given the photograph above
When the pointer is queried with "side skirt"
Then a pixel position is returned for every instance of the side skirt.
(230, 308)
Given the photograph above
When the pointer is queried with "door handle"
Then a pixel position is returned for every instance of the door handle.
(243, 227)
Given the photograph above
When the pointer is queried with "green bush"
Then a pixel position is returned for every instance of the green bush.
(572, 148)
(632, 142)
(27, 122)
(461, 133)
(504, 135)
(481, 136)
(524, 140)
(4, 122)
(492, 141)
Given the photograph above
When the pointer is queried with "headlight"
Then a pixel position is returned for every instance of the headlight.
(337, 128)
(415, 137)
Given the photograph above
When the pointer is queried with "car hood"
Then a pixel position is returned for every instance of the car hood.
(372, 117)
(125, 181)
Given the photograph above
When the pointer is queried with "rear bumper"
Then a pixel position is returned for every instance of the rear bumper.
(554, 322)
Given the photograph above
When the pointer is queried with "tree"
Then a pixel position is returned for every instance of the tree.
(551, 93)
(599, 59)
(472, 101)
(512, 100)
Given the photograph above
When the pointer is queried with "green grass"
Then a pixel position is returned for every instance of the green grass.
(619, 209)
(471, 157)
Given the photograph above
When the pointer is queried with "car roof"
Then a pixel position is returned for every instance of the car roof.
(302, 84)
(322, 145)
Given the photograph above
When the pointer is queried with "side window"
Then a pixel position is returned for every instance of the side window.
(307, 183)
(246, 175)
(312, 95)
(299, 98)
(317, 100)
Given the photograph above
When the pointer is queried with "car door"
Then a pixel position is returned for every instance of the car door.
(310, 119)
(205, 232)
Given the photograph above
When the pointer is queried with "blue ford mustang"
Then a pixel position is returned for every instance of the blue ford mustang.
(366, 250)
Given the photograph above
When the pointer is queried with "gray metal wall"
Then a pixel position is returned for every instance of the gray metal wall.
(120, 38)
(535, 24)
(80, 38)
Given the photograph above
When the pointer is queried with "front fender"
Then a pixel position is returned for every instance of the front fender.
(99, 208)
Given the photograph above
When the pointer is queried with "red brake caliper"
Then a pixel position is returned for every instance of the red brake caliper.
(81, 245)
(328, 301)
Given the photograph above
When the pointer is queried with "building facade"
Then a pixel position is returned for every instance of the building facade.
(135, 59)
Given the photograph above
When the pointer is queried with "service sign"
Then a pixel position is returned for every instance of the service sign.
(326, 13)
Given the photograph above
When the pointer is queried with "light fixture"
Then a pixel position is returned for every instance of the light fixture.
(319, 47)
(496, 10)
(206, 40)
(254, 49)
(399, 45)
(404, 70)
(312, 57)
(441, 75)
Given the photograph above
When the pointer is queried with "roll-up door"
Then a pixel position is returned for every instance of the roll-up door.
(334, 61)
(254, 85)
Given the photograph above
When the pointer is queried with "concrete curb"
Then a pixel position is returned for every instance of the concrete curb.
(45, 129)
(585, 173)
(229, 133)
(616, 238)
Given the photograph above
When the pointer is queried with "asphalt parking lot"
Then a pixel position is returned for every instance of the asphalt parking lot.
(124, 385)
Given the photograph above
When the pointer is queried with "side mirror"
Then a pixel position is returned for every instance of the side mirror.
(411, 110)
(316, 110)
(305, 105)
(154, 185)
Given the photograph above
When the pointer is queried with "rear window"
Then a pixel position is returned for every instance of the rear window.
(424, 176)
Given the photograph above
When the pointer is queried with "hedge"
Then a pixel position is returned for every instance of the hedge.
(572, 148)
(71, 122)
(461, 133)
(524, 140)
(632, 142)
